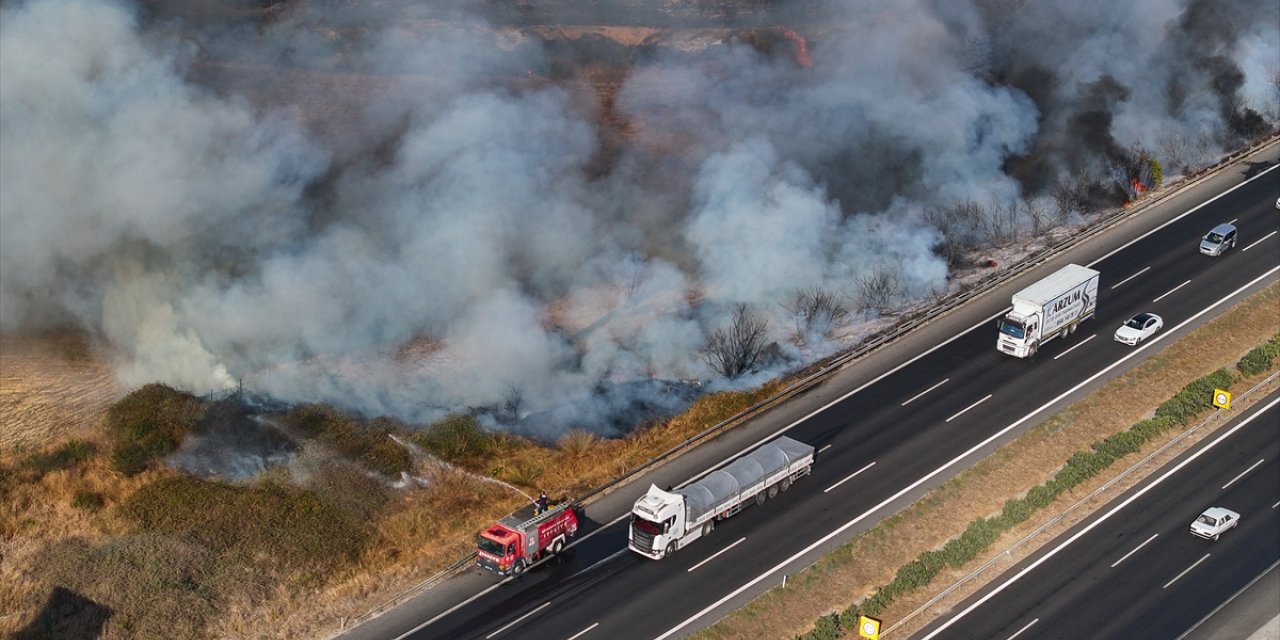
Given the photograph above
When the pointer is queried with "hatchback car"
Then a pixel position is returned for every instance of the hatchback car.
(1218, 240)
(1214, 522)
(1139, 328)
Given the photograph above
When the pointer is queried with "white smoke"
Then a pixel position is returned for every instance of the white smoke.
(436, 188)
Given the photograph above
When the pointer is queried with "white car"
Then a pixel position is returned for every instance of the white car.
(1214, 522)
(1139, 328)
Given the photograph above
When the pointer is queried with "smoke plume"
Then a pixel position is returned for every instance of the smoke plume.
(415, 211)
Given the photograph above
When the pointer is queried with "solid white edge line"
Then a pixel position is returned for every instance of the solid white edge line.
(1135, 550)
(1172, 290)
(969, 407)
(1073, 348)
(1019, 631)
(584, 631)
(1041, 560)
(849, 478)
(1251, 468)
(824, 448)
(519, 620)
(1184, 571)
(1228, 600)
(918, 395)
(1144, 270)
(1255, 242)
(713, 556)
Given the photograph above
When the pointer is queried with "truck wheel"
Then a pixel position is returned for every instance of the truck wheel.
(518, 568)
(708, 528)
(786, 483)
(557, 546)
(773, 492)
(671, 548)
(1073, 326)
(760, 498)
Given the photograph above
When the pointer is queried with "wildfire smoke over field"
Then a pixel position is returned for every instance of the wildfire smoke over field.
(292, 195)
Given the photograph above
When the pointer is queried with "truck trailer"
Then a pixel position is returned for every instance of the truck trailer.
(1048, 309)
(664, 521)
(520, 539)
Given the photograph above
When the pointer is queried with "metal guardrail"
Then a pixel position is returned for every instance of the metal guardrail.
(912, 320)
(1008, 551)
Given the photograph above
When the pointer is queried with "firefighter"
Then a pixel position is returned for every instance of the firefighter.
(542, 504)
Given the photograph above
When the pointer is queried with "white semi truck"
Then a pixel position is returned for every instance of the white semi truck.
(1048, 309)
(664, 521)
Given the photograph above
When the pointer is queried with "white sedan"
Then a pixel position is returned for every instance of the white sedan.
(1139, 328)
(1214, 522)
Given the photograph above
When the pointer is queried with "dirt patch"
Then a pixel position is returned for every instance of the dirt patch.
(855, 570)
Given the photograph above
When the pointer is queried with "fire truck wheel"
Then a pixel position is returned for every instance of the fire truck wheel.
(557, 546)
(518, 568)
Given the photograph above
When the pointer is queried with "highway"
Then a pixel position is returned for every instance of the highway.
(1133, 570)
(885, 436)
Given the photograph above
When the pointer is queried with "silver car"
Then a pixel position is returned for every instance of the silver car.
(1218, 240)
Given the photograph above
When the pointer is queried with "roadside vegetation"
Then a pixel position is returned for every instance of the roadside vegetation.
(891, 570)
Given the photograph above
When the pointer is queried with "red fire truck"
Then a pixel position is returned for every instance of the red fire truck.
(520, 539)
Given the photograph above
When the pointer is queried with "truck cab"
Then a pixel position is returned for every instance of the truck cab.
(1017, 333)
(657, 523)
(499, 549)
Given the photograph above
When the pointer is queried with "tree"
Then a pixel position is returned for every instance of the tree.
(816, 312)
(880, 289)
(734, 351)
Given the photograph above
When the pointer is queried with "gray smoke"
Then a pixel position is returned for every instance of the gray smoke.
(415, 211)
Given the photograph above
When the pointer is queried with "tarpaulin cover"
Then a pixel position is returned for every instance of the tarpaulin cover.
(720, 488)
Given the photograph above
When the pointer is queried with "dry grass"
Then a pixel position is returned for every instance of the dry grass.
(52, 386)
(841, 579)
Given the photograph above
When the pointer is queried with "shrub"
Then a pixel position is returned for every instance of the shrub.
(70, 454)
(150, 423)
(1259, 359)
(1016, 510)
(1194, 398)
(825, 628)
(458, 439)
(1120, 444)
(370, 443)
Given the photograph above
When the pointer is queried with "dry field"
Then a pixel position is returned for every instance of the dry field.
(846, 576)
(52, 386)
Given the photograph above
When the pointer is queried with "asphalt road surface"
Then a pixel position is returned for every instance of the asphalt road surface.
(886, 431)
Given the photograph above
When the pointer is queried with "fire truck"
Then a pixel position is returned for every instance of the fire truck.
(520, 539)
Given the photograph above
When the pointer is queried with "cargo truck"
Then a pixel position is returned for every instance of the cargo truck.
(1048, 309)
(520, 539)
(664, 521)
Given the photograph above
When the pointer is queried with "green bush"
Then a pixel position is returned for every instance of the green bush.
(1016, 510)
(1157, 172)
(283, 526)
(150, 423)
(1259, 359)
(1120, 444)
(71, 454)
(458, 439)
(1194, 398)
(825, 628)
(370, 443)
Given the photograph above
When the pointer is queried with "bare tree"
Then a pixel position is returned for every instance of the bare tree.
(512, 403)
(734, 351)
(1072, 194)
(959, 226)
(881, 289)
(1175, 148)
(816, 312)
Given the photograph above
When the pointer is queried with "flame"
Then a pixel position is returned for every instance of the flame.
(802, 46)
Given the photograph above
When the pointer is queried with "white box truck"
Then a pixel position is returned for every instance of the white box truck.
(1050, 308)
(664, 521)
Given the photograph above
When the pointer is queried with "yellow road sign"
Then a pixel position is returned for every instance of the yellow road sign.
(1222, 398)
(868, 627)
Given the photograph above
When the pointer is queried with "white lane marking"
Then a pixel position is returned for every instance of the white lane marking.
(1135, 550)
(925, 478)
(1184, 571)
(1275, 505)
(519, 620)
(1074, 348)
(917, 396)
(1255, 242)
(1019, 632)
(583, 632)
(849, 478)
(824, 448)
(1171, 291)
(1233, 220)
(969, 407)
(1228, 600)
(1233, 480)
(1187, 213)
(1144, 270)
(1106, 516)
(713, 556)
